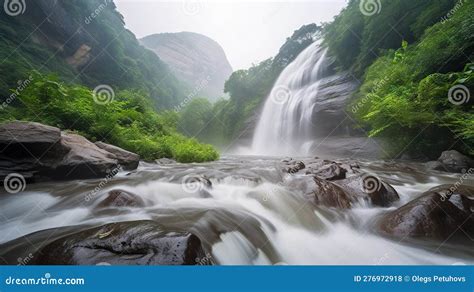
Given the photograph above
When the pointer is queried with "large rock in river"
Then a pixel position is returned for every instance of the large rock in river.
(369, 188)
(343, 194)
(120, 198)
(452, 161)
(82, 159)
(123, 243)
(128, 160)
(444, 213)
(40, 152)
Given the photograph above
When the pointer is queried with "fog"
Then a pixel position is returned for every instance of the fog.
(249, 31)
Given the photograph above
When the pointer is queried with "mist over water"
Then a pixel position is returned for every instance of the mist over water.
(249, 216)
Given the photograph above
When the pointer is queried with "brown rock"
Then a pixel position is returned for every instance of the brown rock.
(440, 214)
(128, 160)
(371, 188)
(123, 243)
(121, 198)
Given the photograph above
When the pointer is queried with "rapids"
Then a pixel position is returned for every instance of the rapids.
(249, 216)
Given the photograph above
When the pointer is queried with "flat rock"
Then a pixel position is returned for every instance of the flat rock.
(123, 243)
(28, 132)
(27, 139)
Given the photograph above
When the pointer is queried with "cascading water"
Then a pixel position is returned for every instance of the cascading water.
(285, 126)
(250, 215)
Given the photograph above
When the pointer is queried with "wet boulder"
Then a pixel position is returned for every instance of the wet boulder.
(343, 194)
(123, 243)
(452, 161)
(82, 160)
(332, 171)
(120, 198)
(320, 192)
(294, 166)
(444, 213)
(40, 152)
(369, 188)
(18, 139)
(330, 195)
(128, 160)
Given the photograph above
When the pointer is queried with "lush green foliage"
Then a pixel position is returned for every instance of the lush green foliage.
(357, 40)
(405, 94)
(129, 121)
(114, 58)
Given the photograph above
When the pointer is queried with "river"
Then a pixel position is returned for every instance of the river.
(250, 215)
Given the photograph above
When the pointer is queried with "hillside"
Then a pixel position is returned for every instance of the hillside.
(74, 66)
(193, 58)
(416, 74)
(84, 42)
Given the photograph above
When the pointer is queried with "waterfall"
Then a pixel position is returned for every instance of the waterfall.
(285, 126)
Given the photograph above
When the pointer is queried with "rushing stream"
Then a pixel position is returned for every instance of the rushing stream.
(248, 216)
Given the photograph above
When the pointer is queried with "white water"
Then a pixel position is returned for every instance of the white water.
(257, 221)
(285, 124)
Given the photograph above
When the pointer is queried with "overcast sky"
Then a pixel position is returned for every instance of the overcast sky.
(249, 31)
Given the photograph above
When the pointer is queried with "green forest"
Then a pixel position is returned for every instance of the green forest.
(405, 75)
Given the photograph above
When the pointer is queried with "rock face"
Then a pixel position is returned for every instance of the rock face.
(194, 58)
(452, 161)
(41, 152)
(443, 213)
(71, 36)
(124, 243)
(128, 160)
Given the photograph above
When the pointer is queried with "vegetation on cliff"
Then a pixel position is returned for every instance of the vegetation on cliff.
(127, 120)
(414, 61)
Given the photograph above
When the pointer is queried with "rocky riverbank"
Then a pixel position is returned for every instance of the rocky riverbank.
(246, 210)
(39, 152)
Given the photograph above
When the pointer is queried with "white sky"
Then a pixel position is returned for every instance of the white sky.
(249, 31)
